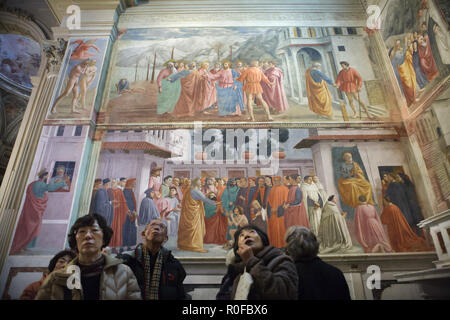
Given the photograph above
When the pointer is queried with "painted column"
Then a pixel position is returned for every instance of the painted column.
(16, 175)
(90, 173)
(289, 71)
(297, 73)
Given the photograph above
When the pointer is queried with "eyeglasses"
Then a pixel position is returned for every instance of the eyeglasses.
(83, 231)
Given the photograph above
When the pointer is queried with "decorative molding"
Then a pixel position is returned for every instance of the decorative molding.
(19, 166)
(246, 125)
(22, 24)
(54, 51)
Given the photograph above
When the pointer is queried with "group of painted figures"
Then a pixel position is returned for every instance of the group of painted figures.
(414, 64)
(209, 210)
(185, 90)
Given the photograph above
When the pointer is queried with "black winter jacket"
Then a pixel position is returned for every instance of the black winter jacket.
(172, 273)
(318, 280)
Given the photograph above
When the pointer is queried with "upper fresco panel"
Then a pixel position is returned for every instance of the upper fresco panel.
(232, 75)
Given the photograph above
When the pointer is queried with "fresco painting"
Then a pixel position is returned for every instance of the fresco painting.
(417, 40)
(20, 58)
(239, 74)
(49, 198)
(76, 91)
(183, 193)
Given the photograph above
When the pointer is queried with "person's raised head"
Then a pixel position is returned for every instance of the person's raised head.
(251, 236)
(155, 232)
(301, 243)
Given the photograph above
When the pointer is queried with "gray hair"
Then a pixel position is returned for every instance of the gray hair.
(316, 65)
(301, 243)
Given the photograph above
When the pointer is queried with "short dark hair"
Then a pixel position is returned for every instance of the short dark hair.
(331, 197)
(262, 235)
(167, 177)
(362, 198)
(66, 252)
(345, 63)
(87, 221)
(294, 176)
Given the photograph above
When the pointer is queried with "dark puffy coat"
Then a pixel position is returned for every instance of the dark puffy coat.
(320, 281)
(172, 273)
(274, 277)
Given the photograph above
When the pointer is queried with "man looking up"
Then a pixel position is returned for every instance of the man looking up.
(160, 276)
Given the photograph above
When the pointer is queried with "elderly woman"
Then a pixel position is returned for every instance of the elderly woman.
(259, 271)
(58, 262)
(317, 279)
(100, 277)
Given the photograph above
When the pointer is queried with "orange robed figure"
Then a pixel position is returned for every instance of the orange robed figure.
(276, 201)
(319, 96)
(191, 229)
(251, 78)
(352, 184)
(402, 238)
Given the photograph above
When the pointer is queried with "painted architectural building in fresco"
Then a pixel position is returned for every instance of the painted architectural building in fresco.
(156, 100)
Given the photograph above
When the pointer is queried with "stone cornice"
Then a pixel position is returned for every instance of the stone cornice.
(209, 13)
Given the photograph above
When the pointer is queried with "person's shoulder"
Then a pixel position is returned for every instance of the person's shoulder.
(328, 267)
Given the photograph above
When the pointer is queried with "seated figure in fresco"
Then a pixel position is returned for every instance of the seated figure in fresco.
(352, 183)
(369, 230)
(159, 274)
(61, 176)
(402, 238)
(30, 220)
